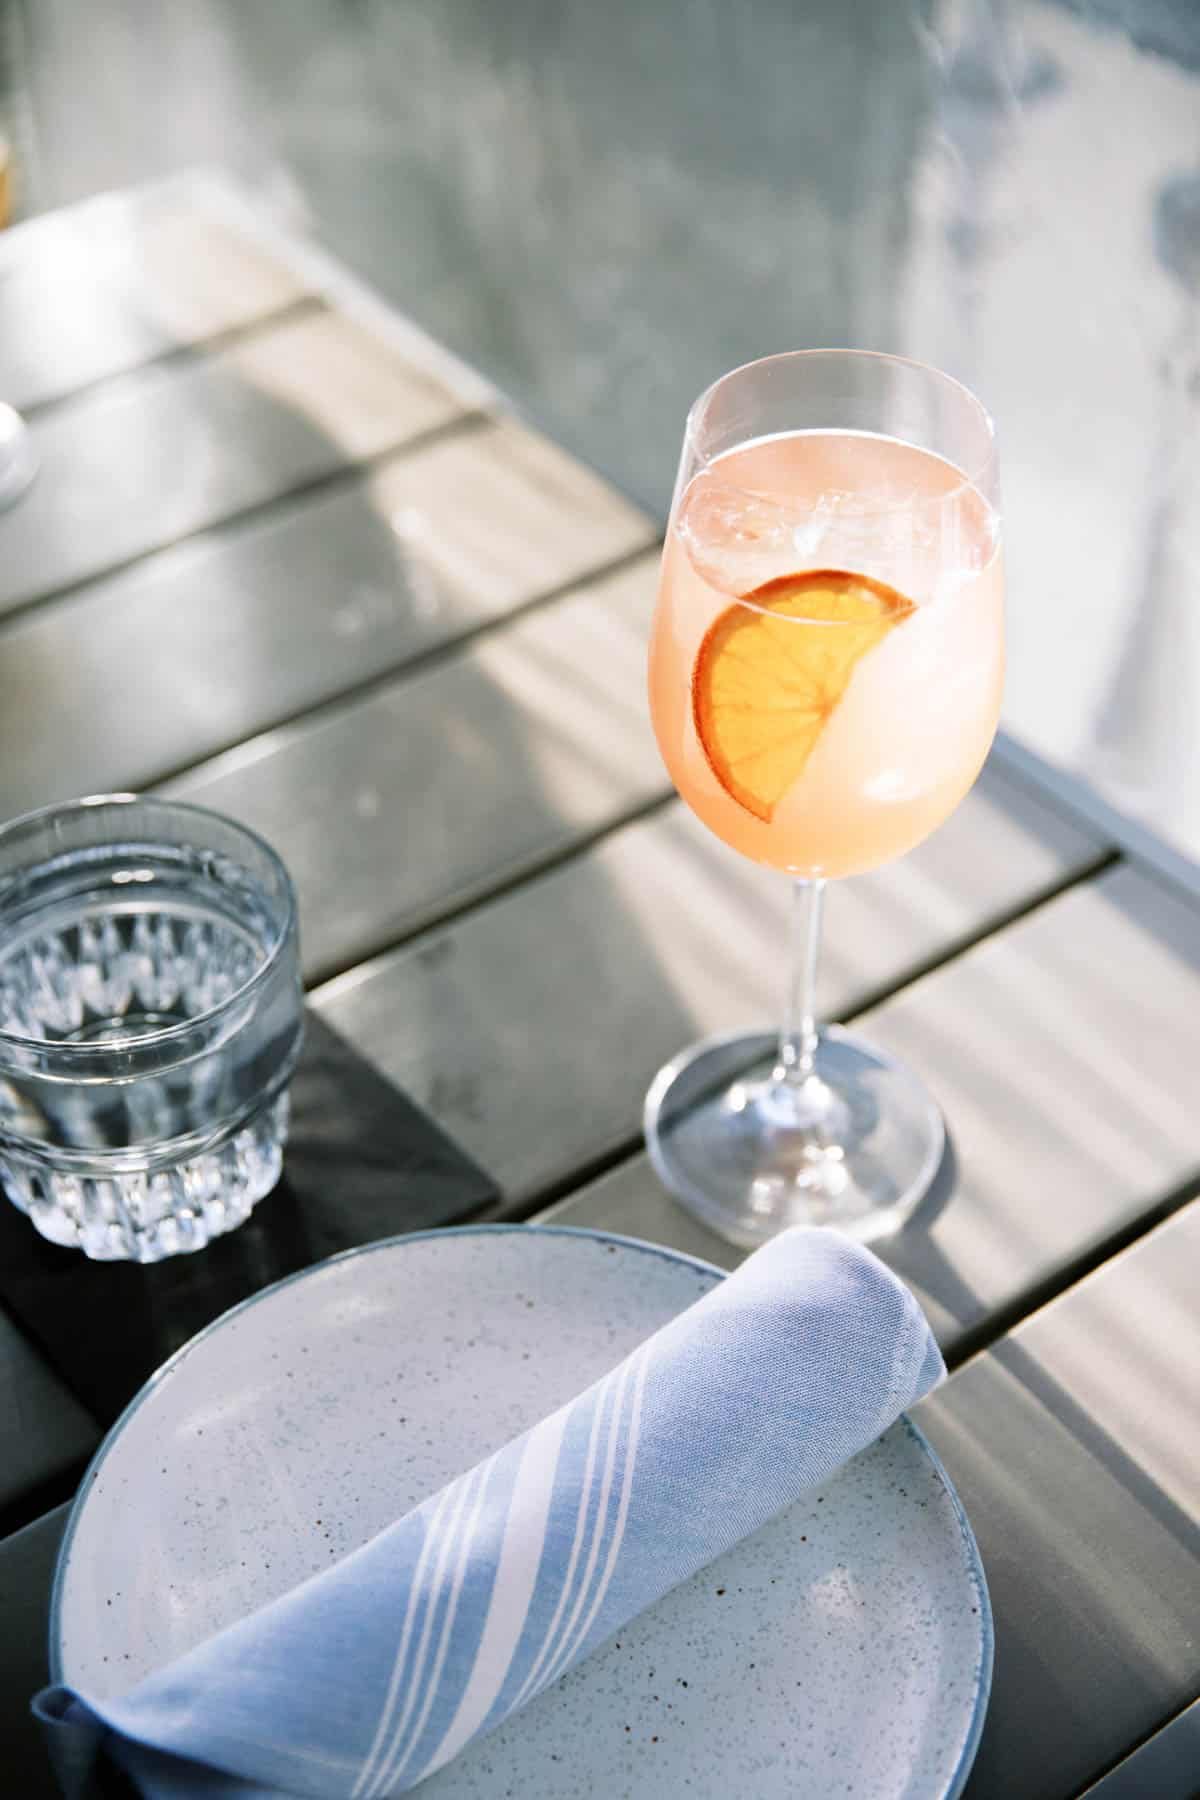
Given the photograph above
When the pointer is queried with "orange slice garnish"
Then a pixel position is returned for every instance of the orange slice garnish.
(770, 673)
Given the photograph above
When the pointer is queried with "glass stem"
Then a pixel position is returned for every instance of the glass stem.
(798, 1034)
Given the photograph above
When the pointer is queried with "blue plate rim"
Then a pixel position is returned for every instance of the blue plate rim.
(983, 1672)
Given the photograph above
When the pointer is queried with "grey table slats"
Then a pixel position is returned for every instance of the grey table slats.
(1061, 1093)
(532, 1027)
(287, 558)
(135, 466)
(1062, 1050)
(122, 280)
(241, 628)
(44, 1432)
(1072, 1445)
(1167, 1763)
(438, 786)
(27, 1561)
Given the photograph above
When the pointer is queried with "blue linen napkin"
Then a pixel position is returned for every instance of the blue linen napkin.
(374, 1673)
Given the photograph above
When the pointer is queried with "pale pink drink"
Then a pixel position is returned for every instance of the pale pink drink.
(825, 674)
(905, 739)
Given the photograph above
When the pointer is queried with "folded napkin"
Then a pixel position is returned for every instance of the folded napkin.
(374, 1673)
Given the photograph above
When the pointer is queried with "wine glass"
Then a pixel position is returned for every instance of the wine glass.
(826, 666)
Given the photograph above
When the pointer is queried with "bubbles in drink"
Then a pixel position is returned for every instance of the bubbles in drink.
(833, 752)
(835, 501)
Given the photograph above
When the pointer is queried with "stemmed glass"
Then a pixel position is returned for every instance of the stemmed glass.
(826, 667)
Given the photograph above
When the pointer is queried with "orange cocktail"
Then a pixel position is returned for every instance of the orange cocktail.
(824, 693)
(825, 673)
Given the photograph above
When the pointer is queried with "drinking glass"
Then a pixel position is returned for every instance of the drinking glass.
(826, 665)
(150, 1020)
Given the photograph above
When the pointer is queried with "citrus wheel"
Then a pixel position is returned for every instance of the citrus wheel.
(771, 670)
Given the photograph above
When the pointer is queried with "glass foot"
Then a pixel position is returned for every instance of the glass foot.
(18, 465)
(855, 1146)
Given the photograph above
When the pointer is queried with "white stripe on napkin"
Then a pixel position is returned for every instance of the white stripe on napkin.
(450, 1542)
(614, 1432)
(437, 1541)
(402, 1754)
(381, 1730)
(516, 1576)
(635, 1426)
(585, 1495)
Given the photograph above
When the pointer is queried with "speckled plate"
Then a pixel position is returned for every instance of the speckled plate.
(843, 1649)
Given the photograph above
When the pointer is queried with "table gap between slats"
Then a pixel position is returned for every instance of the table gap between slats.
(1066, 1146)
(173, 356)
(309, 606)
(1070, 1444)
(633, 1146)
(343, 475)
(180, 448)
(148, 271)
(1162, 1762)
(689, 1235)
(629, 951)
(389, 675)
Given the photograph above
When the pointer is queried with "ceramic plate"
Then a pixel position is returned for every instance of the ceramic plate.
(843, 1649)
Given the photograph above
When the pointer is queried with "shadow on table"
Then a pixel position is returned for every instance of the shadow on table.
(1094, 1570)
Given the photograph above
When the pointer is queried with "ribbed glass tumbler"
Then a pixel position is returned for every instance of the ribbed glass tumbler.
(151, 1014)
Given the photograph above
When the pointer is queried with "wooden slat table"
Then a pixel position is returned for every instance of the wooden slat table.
(288, 558)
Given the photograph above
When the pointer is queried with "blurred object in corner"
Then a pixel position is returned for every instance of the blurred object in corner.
(6, 181)
(18, 461)
(16, 124)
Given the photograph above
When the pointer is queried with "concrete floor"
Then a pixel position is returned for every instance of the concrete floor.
(605, 204)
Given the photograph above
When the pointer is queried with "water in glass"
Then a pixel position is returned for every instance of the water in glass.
(149, 1020)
